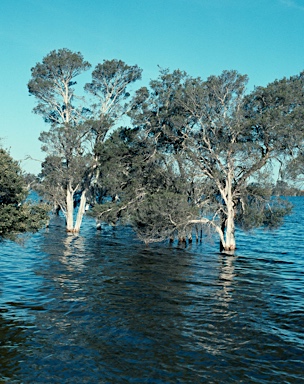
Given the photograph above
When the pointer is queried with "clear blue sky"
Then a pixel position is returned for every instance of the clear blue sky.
(262, 38)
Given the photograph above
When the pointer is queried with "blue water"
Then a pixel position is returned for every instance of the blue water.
(103, 308)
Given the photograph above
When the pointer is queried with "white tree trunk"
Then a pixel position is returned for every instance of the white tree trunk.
(69, 209)
(229, 244)
(81, 211)
(230, 229)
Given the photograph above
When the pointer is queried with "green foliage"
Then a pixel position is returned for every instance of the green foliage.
(162, 215)
(293, 172)
(17, 216)
(259, 208)
(275, 114)
(143, 188)
(109, 87)
(110, 80)
(158, 112)
(11, 182)
(52, 84)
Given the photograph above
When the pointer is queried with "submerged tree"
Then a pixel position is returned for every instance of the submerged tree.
(228, 139)
(232, 140)
(52, 83)
(69, 170)
(17, 215)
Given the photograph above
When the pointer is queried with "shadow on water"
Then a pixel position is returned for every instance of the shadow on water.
(103, 308)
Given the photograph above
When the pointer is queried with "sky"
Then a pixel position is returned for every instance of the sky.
(261, 38)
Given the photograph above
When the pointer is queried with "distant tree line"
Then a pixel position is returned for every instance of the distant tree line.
(172, 159)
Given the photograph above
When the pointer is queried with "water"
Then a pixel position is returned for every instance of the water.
(103, 308)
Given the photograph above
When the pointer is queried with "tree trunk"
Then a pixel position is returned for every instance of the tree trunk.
(221, 232)
(81, 211)
(230, 229)
(228, 225)
(227, 241)
(69, 209)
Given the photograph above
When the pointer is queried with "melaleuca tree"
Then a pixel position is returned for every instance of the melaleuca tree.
(70, 168)
(52, 83)
(17, 215)
(109, 90)
(228, 139)
(229, 149)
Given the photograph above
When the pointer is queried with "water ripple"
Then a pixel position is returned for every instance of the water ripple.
(101, 307)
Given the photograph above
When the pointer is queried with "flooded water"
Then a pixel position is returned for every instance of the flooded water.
(102, 308)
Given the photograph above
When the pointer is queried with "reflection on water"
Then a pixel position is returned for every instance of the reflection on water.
(102, 308)
(226, 277)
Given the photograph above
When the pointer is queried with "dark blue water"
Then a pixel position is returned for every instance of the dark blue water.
(102, 308)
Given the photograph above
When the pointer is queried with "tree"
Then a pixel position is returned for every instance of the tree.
(227, 139)
(228, 150)
(282, 102)
(69, 170)
(17, 215)
(52, 84)
(109, 88)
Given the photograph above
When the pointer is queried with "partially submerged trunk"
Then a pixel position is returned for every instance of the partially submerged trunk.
(81, 211)
(228, 226)
(225, 232)
(227, 241)
(70, 210)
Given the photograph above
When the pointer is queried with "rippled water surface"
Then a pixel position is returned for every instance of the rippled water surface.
(102, 308)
